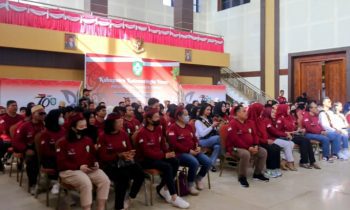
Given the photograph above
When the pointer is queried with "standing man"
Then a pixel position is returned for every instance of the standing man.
(281, 99)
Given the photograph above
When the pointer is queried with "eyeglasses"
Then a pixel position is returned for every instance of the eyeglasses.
(42, 113)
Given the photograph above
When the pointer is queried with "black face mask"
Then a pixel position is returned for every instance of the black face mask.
(80, 133)
(156, 123)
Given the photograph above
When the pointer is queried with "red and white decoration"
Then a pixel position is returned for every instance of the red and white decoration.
(56, 19)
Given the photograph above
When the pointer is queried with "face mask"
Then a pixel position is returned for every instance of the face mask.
(186, 119)
(156, 123)
(61, 121)
(80, 133)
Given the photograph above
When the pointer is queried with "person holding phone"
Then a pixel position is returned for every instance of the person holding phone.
(154, 154)
(207, 133)
(77, 165)
(185, 144)
(116, 157)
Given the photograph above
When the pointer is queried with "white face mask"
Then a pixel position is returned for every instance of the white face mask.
(61, 121)
(186, 119)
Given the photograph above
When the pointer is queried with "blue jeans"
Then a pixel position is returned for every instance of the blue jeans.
(331, 137)
(193, 163)
(212, 142)
(344, 141)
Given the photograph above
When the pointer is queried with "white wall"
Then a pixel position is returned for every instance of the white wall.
(152, 11)
(240, 27)
(284, 84)
(75, 4)
(307, 25)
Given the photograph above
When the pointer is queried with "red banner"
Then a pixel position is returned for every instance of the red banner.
(203, 92)
(112, 78)
(61, 20)
(45, 92)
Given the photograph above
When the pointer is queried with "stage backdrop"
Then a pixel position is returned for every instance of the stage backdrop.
(206, 92)
(112, 78)
(45, 92)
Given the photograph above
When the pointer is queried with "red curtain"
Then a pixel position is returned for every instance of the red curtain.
(56, 19)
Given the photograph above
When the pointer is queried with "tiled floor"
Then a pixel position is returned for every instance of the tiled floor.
(326, 189)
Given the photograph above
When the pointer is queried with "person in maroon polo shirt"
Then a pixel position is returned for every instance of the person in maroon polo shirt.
(131, 124)
(23, 142)
(116, 157)
(281, 99)
(9, 119)
(53, 132)
(184, 142)
(154, 154)
(242, 142)
(101, 113)
(78, 166)
(286, 123)
(154, 103)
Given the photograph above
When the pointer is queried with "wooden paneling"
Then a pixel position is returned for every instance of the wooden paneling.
(335, 80)
(306, 76)
(310, 80)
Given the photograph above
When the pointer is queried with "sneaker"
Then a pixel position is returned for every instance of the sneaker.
(193, 190)
(346, 153)
(55, 189)
(180, 203)
(341, 155)
(243, 181)
(329, 160)
(213, 169)
(32, 190)
(127, 203)
(278, 172)
(270, 173)
(200, 185)
(260, 177)
(165, 194)
(315, 166)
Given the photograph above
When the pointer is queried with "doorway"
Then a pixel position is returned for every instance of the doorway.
(320, 74)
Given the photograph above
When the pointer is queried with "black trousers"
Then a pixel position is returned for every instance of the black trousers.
(168, 168)
(4, 145)
(121, 178)
(32, 168)
(273, 160)
(306, 152)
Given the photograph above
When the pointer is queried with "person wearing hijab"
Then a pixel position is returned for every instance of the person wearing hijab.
(286, 123)
(273, 160)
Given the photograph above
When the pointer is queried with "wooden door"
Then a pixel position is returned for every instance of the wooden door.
(308, 78)
(335, 80)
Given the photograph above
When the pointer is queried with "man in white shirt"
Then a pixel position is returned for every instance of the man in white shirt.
(327, 120)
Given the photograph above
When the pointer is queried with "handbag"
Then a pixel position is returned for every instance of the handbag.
(182, 184)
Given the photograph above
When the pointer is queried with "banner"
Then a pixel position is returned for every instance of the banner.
(112, 78)
(48, 93)
(203, 92)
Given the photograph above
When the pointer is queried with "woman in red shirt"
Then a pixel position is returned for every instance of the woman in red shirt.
(116, 157)
(184, 142)
(53, 132)
(154, 154)
(273, 160)
(77, 165)
(287, 123)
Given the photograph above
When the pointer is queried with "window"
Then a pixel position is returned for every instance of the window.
(226, 4)
(170, 3)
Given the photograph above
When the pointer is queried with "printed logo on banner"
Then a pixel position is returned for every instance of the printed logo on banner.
(137, 68)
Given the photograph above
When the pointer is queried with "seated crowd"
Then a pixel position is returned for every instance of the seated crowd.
(90, 148)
